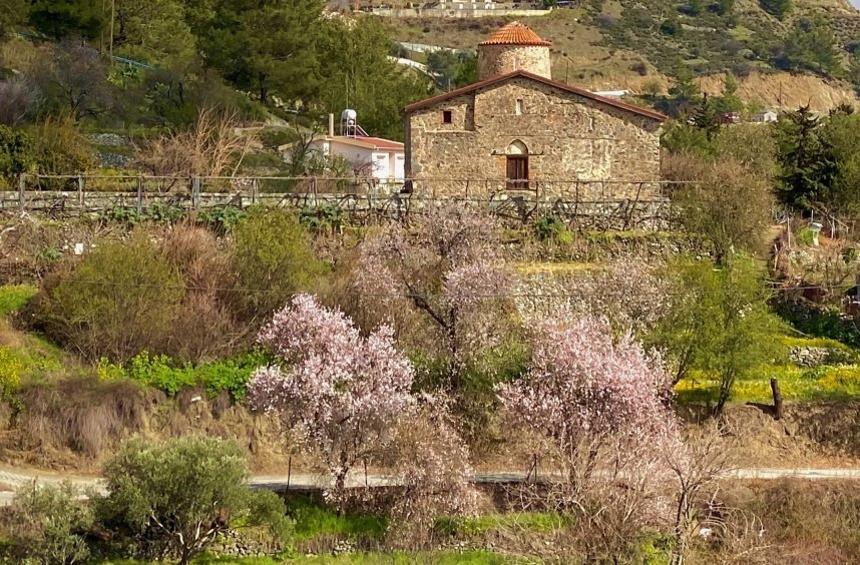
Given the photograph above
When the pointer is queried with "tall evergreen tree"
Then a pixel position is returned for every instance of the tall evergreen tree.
(155, 31)
(64, 18)
(808, 166)
(685, 92)
(358, 74)
(706, 117)
(267, 46)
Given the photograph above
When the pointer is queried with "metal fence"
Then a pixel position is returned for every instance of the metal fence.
(610, 204)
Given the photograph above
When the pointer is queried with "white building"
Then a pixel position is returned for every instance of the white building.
(766, 117)
(370, 157)
(375, 157)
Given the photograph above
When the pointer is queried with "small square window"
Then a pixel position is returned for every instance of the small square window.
(447, 116)
(519, 108)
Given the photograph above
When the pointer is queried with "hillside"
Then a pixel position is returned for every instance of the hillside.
(640, 46)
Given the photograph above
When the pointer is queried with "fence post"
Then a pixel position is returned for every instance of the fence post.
(139, 195)
(22, 184)
(81, 191)
(195, 192)
(314, 190)
(254, 189)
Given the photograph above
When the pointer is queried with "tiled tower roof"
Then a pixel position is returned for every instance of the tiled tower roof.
(515, 33)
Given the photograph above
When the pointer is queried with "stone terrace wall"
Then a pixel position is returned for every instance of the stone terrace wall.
(569, 138)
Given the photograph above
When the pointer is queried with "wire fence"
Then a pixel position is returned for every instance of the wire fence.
(592, 204)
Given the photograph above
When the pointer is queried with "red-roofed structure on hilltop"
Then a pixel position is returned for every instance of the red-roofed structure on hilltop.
(515, 33)
(518, 129)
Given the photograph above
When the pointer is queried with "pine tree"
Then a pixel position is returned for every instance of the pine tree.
(263, 46)
(706, 117)
(64, 18)
(685, 90)
(806, 159)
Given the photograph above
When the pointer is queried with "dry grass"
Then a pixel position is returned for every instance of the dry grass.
(205, 325)
(805, 522)
(81, 414)
(213, 147)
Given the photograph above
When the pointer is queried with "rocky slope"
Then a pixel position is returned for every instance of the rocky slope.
(622, 44)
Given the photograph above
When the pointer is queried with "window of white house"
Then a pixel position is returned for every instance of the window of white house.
(519, 108)
(447, 116)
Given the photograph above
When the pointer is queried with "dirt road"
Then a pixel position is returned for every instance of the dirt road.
(12, 479)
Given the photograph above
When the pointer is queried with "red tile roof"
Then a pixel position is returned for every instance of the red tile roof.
(375, 143)
(648, 113)
(515, 33)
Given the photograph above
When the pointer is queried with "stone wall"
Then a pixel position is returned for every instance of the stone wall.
(494, 60)
(569, 138)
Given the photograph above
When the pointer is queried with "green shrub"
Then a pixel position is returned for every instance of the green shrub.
(48, 525)
(819, 321)
(221, 219)
(805, 237)
(275, 137)
(164, 373)
(13, 297)
(16, 154)
(552, 228)
(326, 217)
(60, 148)
(118, 300)
(177, 497)
(273, 259)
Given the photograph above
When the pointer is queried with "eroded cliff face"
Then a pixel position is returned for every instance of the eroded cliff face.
(786, 90)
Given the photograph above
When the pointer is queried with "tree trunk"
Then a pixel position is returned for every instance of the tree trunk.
(264, 89)
(777, 399)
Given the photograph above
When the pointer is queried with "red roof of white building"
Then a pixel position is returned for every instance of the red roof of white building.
(374, 143)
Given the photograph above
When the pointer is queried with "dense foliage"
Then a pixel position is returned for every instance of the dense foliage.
(182, 293)
(174, 499)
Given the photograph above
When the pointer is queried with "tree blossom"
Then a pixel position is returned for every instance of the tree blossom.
(432, 465)
(445, 267)
(586, 388)
(341, 392)
(597, 407)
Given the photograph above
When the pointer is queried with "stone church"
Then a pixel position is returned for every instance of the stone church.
(517, 129)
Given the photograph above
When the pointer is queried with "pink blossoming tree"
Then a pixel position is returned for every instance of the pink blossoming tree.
(595, 407)
(585, 389)
(341, 392)
(445, 267)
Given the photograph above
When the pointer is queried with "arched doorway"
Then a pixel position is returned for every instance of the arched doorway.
(517, 166)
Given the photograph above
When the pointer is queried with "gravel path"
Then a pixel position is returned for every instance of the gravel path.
(13, 478)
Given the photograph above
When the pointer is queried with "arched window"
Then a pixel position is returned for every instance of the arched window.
(517, 155)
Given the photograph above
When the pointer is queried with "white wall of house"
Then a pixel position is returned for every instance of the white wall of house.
(383, 165)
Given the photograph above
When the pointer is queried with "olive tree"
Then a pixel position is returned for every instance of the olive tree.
(175, 498)
(47, 524)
